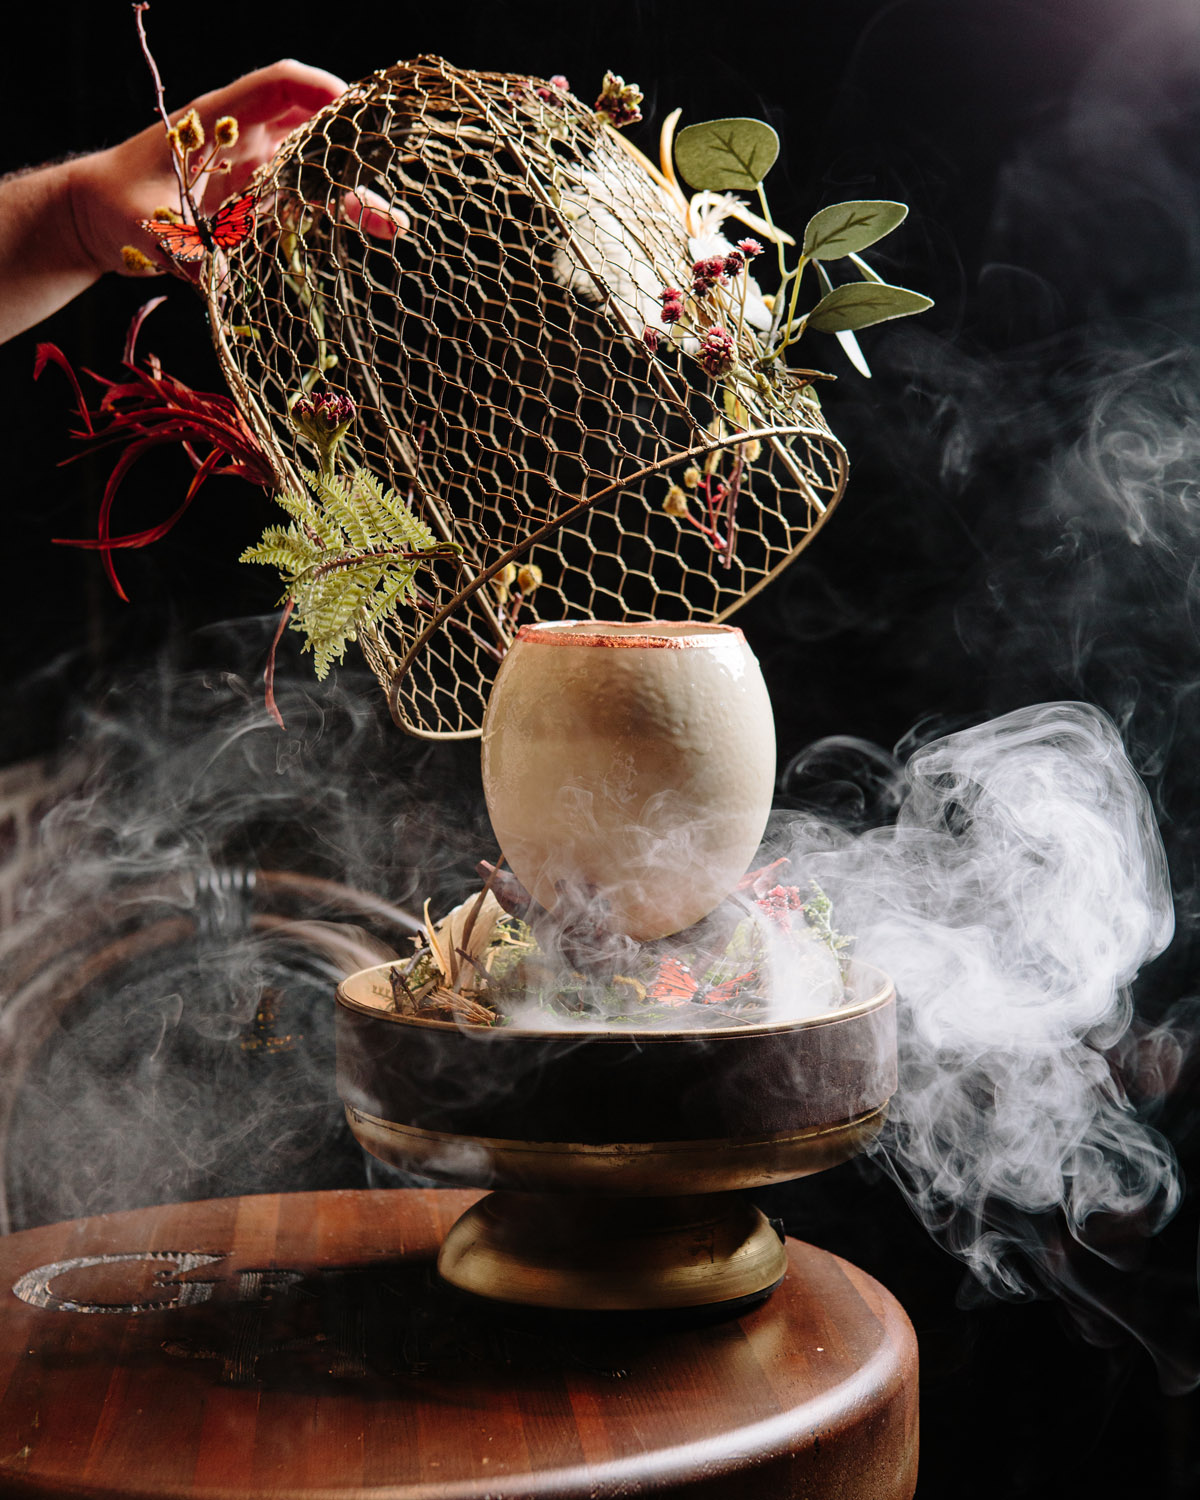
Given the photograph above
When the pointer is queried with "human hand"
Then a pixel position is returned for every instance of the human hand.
(112, 190)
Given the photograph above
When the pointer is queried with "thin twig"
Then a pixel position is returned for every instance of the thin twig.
(392, 554)
(269, 670)
(473, 914)
(731, 507)
(185, 193)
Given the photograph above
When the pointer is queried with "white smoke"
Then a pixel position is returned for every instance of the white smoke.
(166, 996)
(1020, 890)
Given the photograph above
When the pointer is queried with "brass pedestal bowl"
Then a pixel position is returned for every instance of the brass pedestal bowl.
(620, 1159)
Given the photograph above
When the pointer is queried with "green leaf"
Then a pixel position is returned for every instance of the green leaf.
(864, 270)
(726, 156)
(849, 343)
(859, 304)
(843, 228)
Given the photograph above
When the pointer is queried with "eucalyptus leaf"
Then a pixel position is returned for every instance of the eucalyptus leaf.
(727, 156)
(853, 352)
(866, 272)
(843, 228)
(850, 345)
(859, 304)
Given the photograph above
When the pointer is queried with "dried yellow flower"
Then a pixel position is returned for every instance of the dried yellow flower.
(691, 477)
(171, 215)
(504, 580)
(225, 132)
(529, 578)
(752, 451)
(676, 502)
(189, 132)
(136, 262)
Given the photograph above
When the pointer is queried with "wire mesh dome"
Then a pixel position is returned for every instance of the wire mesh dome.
(496, 354)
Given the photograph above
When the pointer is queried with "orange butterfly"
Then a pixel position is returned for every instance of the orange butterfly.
(189, 242)
(675, 984)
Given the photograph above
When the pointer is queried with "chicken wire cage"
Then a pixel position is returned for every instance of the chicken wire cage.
(497, 354)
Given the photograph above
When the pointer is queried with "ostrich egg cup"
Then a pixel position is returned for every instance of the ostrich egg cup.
(631, 762)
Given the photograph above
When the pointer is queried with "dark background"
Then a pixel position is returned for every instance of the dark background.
(1020, 524)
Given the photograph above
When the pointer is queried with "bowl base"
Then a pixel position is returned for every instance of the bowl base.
(587, 1253)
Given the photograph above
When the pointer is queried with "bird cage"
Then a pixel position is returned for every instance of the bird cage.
(501, 355)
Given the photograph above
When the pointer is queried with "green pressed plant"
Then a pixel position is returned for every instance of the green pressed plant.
(351, 551)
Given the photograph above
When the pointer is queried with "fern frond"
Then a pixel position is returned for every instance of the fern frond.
(344, 558)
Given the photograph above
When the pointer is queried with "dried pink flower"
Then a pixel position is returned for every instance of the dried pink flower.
(548, 93)
(707, 273)
(780, 902)
(651, 338)
(734, 263)
(672, 301)
(750, 248)
(327, 408)
(718, 352)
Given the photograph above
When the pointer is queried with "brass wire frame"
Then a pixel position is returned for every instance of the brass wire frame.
(495, 353)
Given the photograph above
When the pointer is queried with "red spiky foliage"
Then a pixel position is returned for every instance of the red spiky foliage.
(145, 409)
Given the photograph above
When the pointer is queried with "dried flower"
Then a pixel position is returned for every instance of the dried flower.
(529, 578)
(734, 263)
(676, 502)
(691, 477)
(136, 262)
(651, 338)
(225, 132)
(504, 580)
(551, 92)
(749, 248)
(672, 301)
(171, 215)
(323, 419)
(752, 451)
(780, 902)
(189, 132)
(326, 409)
(718, 351)
(619, 102)
(707, 273)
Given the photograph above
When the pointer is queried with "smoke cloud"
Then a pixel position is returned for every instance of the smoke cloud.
(1013, 901)
(166, 1022)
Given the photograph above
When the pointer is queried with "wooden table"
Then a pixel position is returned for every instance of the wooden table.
(301, 1345)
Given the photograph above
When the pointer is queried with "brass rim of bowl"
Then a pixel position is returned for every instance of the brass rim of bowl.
(629, 1169)
(632, 1151)
(883, 993)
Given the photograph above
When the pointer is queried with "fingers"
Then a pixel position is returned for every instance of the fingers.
(283, 96)
(374, 215)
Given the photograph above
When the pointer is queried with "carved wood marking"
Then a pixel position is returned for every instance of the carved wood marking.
(34, 1286)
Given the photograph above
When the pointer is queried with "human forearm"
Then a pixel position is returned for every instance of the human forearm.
(43, 262)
